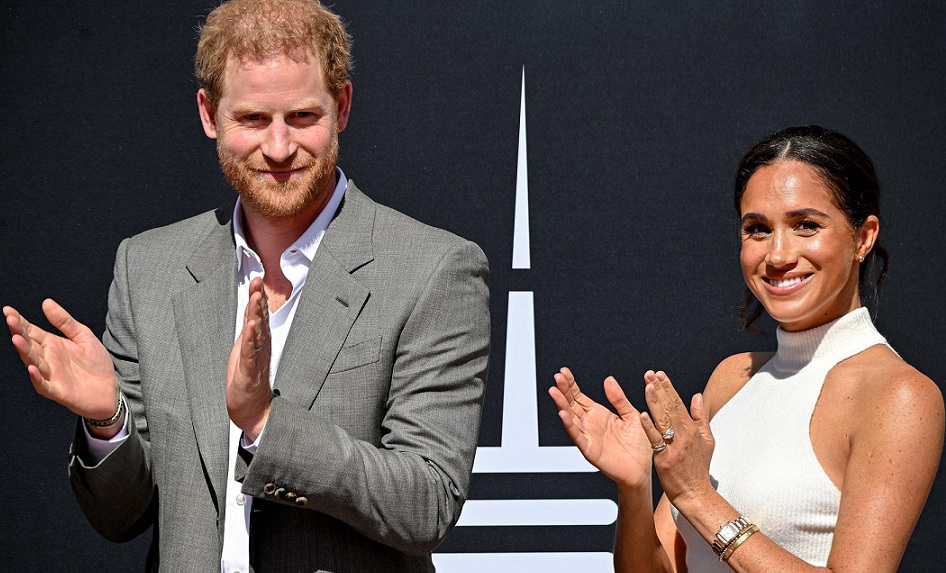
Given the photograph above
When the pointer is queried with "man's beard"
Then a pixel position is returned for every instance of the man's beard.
(280, 199)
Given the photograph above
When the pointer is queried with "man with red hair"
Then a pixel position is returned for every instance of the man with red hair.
(294, 382)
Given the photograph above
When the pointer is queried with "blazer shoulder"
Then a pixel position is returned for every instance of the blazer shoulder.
(185, 230)
(392, 224)
(177, 239)
(154, 257)
(395, 232)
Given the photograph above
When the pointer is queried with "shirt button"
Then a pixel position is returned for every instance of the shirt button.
(241, 499)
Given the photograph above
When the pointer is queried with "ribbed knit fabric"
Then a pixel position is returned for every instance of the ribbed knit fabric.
(764, 464)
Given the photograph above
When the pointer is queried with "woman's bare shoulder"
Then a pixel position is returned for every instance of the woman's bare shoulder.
(884, 383)
(730, 376)
(891, 416)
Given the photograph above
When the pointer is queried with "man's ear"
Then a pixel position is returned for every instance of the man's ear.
(344, 106)
(208, 116)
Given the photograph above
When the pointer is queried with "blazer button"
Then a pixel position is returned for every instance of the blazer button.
(301, 501)
(269, 488)
(279, 492)
(291, 496)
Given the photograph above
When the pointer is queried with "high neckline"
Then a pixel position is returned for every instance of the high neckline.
(835, 340)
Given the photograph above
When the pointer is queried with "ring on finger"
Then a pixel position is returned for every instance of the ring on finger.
(668, 435)
(659, 447)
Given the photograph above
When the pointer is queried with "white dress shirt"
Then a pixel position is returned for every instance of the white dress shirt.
(295, 262)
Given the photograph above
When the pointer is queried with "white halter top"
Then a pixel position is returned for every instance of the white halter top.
(764, 464)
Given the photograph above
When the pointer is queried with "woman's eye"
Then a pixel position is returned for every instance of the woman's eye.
(807, 226)
(755, 230)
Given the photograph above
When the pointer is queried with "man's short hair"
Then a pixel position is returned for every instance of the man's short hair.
(256, 30)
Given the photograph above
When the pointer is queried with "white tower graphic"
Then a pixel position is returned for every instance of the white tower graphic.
(520, 452)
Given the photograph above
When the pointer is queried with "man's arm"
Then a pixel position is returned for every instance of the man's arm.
(407, 493)
(116, 493)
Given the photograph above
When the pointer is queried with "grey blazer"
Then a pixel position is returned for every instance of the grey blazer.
(366, 458)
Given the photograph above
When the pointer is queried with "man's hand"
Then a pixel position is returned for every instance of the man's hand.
(75, 371)
(248, 390)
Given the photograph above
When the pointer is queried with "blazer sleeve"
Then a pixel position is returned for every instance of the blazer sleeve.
(116, 494)
(408, 492)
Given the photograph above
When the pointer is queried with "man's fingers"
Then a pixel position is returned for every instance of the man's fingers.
(21, 343)
(62, 320)
(20, 337)
(15, 322)
(248, 346)
(18, 325)
(40, 383)
(264, 304)
(25, 351)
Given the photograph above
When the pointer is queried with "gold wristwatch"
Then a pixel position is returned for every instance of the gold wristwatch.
(728, 533)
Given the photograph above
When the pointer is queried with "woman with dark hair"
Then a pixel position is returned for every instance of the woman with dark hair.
(818, 456)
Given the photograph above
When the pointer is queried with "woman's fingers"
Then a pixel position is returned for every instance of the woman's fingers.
(663, 401)
(618, 399)
(561, 402)
(565, 381)
(696, 409)
(698, 412)
(653, 434)
(657, 403)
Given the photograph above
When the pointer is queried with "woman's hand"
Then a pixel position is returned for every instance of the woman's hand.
(615, 444)
(683, 466)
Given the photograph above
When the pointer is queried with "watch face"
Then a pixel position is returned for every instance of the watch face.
(729, 530)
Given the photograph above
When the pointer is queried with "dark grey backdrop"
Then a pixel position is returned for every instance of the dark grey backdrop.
(637, 115)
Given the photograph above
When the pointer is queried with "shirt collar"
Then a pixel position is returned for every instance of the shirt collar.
(308, 242)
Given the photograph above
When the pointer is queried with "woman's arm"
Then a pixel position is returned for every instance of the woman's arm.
(895, 447)
(670, 538)
(896, 443)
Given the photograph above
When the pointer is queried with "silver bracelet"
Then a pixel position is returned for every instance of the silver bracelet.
(115, 417)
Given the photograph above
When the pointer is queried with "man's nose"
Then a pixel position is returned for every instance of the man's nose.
(278, 145)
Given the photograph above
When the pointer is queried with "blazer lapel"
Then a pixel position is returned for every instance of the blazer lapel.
(330, 302)
(206, 321)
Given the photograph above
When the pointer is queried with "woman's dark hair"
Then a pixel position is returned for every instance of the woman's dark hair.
(848, 173)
